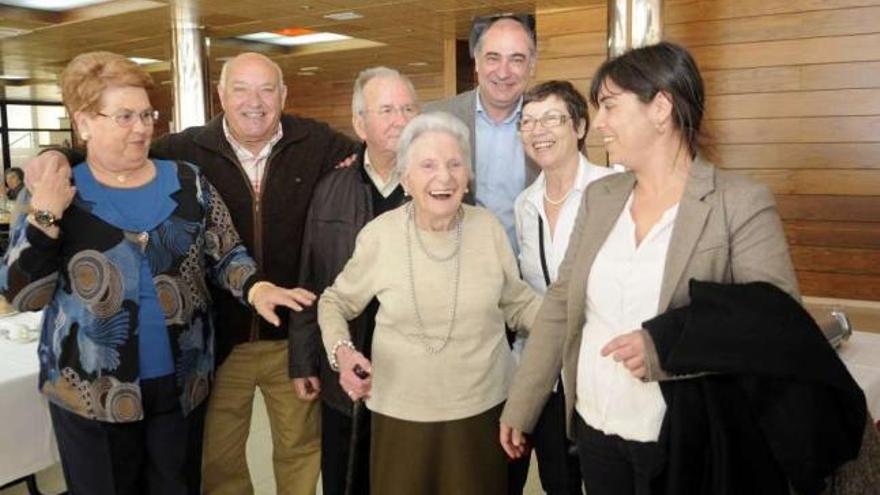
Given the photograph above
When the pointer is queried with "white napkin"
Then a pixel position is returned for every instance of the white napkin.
(21, 328)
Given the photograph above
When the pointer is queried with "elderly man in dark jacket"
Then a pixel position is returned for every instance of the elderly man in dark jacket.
(344, 201)
(265, 165)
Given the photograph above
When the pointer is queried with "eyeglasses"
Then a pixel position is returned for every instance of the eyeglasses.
(390, 111)
(127, 118)
(548, 120)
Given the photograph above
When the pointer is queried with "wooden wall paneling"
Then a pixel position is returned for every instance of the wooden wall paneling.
(789, 52)
(678, 11)
(450, 67)
(801, 130)
(824, 207)
(839, 285)
(801, 155)
(794, 102)
(788, 26)
(838, 75)
(161, 100)
(571, 46)
(861, 235)
(840, 102)
(562, 22)
(582, 67)
(813, 181)
(851, 261)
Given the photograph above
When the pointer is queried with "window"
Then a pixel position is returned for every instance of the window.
(28, 127)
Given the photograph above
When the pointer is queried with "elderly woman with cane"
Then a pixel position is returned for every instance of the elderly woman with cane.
(447, 281)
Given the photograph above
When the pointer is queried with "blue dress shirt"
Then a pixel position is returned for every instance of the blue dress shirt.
(500, 171)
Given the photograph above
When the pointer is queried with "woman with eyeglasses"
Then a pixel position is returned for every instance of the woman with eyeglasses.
(553, 127)
(446, 281)
(116, 253)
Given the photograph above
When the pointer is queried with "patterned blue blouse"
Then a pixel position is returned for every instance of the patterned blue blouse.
(139, 209)
(88, 282)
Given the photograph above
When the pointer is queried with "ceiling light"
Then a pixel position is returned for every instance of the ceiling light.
(54, 5)
(9, 77)
(309, 69)
(293, 31)
(144, 61)
(303, 39)
(344, 16)
(418, 64)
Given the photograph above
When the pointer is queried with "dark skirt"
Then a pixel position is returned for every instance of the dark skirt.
(459, 457)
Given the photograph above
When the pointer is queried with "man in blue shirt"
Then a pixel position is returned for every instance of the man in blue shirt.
(504, 52)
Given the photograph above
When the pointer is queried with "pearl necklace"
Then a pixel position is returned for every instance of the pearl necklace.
(121, 178)
(560, 200)
(456, 255)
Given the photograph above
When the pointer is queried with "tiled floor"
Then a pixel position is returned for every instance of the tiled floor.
(259, 453)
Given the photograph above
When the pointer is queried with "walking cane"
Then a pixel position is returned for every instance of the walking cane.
(353, 440)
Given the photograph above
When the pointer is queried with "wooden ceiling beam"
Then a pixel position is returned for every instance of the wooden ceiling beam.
(111, 9)
(29, 18)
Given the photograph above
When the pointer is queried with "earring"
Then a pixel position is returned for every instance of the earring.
(85, 136)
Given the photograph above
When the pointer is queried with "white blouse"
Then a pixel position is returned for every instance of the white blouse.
(623, 290)
(529, 207)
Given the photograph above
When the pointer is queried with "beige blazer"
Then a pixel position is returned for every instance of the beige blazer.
(727, 230)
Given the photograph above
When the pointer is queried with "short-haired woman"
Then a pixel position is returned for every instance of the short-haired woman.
(553, 128)
(639, 238)
(118, 263)
(447, 281)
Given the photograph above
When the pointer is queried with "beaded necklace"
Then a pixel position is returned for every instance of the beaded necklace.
(454, 255)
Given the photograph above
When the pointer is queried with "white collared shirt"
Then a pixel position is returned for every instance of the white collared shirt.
(384, 187)
(529, 207)
(254, 164)
(500, 166)
(623, 291)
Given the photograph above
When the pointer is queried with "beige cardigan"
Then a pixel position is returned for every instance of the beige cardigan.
(471, 374)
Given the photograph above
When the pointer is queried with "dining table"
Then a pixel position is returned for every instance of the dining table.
(861, 355)
(27, 442)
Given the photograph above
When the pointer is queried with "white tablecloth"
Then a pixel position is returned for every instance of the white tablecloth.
(861, 354)
(27, 444)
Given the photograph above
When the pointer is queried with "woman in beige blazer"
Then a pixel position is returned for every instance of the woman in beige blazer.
(639, 238)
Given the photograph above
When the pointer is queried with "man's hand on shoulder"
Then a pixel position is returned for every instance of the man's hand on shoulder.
(348, 162)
